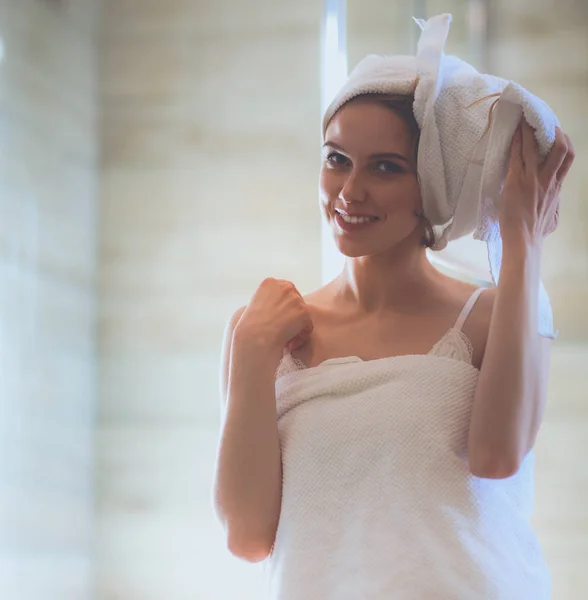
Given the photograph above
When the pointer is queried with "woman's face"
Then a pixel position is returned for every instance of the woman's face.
(369, 168)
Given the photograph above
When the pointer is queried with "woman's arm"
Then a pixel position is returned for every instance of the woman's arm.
(248, 473)
(511, 393)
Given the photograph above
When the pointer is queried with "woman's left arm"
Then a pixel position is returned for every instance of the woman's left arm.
(511, 392)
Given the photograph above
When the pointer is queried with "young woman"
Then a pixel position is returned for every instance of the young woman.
(377, 433)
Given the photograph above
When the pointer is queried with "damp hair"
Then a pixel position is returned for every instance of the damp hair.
(402, 105)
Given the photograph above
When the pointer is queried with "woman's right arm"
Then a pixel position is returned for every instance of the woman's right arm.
(248, 476)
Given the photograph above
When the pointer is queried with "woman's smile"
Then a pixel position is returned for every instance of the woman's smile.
(356, 225)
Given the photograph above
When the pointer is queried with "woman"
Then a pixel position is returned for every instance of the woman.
(377, 433)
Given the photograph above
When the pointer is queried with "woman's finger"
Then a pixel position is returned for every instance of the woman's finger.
(567, 161)
(529, 151)
(298, 341)
(556, 156)
(516, 149)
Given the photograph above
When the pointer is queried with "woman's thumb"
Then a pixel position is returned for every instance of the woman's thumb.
(300, 339)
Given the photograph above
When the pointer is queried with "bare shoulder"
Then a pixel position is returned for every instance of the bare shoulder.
(320, 299)
(318, 295)
(477, 325)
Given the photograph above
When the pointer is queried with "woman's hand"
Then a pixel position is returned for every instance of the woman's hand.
(278, 316)
(529, 203)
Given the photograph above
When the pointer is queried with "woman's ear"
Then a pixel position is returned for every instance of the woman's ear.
(428, 237)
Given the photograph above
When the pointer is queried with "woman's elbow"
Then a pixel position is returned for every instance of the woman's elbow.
(493, 470)
(250, 550)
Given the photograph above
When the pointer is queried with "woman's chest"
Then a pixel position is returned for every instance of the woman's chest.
(409, 403)
(371, 340)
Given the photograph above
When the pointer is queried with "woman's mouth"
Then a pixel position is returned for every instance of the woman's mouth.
(354, 224)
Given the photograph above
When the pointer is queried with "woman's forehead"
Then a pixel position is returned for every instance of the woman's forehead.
(369, 126)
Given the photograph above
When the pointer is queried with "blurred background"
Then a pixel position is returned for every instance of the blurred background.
(157, 161)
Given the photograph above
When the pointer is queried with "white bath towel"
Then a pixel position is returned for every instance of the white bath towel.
(462, 163)
(377, 498)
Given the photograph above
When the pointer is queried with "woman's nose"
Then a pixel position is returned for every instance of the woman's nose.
(353, 190)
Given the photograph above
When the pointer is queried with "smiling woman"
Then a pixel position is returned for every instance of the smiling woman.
(365, 412)
(369, 170)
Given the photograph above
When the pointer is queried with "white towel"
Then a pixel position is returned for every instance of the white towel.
(462, 163)
(377, 497)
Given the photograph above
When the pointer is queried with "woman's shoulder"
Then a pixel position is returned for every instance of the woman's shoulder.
(320, 299)
(453, 297)
(477, 324)
(456, 291)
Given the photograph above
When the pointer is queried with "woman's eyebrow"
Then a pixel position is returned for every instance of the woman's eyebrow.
(373, 156)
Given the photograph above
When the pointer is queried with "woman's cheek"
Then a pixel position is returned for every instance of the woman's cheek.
(328, 189)
(323, 181)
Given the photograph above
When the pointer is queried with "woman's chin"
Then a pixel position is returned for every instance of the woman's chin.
(354, 249)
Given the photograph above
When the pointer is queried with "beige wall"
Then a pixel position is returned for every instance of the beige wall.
(211, 137)
(48, 188)
(210, 163)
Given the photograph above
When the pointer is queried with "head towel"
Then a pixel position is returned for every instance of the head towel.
(467, 120)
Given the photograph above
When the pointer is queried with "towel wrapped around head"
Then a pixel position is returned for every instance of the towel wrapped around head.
(467, 121)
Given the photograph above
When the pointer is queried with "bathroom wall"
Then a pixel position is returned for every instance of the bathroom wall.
(210, 132)
(211, 141)
(210, 146)
(48, 190)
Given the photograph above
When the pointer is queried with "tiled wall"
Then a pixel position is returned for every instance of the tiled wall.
(211, 133)
(209, 184)
(210, 145)
(48, 189)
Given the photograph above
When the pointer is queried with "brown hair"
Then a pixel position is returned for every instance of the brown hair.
(402, 106)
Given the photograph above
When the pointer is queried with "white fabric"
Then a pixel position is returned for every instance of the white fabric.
(377, 498)
(461, 168)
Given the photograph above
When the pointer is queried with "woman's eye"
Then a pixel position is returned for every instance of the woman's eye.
(390, 167)
(333, 156)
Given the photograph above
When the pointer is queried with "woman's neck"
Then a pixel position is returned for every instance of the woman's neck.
(370, 284)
